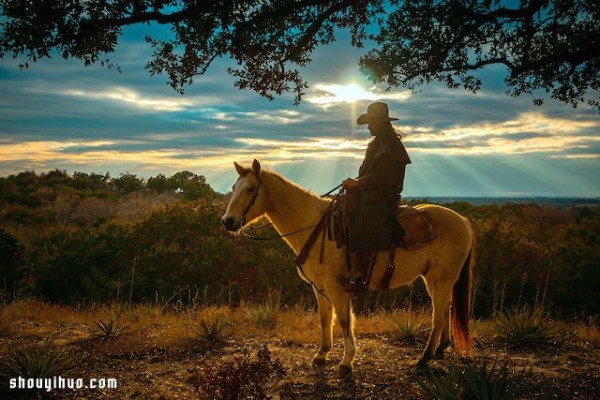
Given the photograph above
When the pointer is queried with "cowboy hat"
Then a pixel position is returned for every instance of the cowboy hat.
(375, 112)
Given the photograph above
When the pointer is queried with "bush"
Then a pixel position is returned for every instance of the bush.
(524, 327)
(110, 327)
(264, 315)
(471, 382)
(213, 331)
(42, 361)
(240, 378)
(407, 327)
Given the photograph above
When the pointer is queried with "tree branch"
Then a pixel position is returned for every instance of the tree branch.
(316, 25)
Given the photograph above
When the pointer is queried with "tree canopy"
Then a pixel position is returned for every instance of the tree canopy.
(547, 47)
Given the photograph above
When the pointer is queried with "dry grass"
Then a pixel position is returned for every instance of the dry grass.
(37, 311)
(265, 315)
(5, 327)
(586, 331)
(160, 345)
(163, 327)
(300, 327)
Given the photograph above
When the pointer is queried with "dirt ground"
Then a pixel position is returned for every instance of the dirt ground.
(156, 360)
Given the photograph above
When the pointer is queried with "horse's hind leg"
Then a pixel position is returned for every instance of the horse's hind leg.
(440, 295)
(325, 317)
(444, 341)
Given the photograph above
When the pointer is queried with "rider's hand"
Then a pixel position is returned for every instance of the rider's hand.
(350, 183)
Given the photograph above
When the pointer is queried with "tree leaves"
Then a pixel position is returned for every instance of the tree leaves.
(546, 46)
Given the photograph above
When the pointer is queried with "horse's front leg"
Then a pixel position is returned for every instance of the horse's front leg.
(325, 317)
(345, 317)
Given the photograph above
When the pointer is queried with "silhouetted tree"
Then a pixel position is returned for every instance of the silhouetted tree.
(552, 45)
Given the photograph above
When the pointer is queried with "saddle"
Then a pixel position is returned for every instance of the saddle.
(416, 224)
(417, 231)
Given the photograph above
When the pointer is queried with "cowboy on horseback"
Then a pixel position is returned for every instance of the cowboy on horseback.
(373, 198)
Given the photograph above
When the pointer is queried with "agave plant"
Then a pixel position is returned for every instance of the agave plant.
(523, 327)
(406, 327)
(35, 361)
(110, 327)
(470, 382)
(213, 331)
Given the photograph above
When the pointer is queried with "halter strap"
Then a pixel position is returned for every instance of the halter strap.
(252, 200)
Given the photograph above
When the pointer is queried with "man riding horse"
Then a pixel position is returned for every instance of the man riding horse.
(373, 198)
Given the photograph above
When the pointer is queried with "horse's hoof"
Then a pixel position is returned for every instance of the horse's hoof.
(345, 369)
(318, 362)
(422, 363)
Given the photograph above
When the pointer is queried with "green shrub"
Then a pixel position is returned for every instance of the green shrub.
(471, 382)
(109, 327)
(407, 327)
(213, 331)
(524, 327)
(34, 361)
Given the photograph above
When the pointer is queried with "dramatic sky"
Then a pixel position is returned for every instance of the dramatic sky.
(59, 114)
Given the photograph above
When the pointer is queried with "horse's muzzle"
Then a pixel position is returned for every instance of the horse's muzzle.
(230, 223)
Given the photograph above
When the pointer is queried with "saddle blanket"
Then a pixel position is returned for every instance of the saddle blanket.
(417, 227)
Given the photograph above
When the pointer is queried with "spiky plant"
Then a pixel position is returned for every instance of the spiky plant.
(470, 382)
(524, 327)
(109, 327)
(406, 327)
(213, 331)
(43, 360)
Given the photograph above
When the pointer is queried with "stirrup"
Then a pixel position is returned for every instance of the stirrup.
(360, 285)
(346, 283)
(354, 287)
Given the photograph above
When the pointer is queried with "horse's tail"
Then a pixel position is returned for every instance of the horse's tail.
(461, 304)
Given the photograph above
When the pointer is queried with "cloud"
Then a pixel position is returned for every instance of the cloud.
(528, 133)
(59, 114)
(130, 97)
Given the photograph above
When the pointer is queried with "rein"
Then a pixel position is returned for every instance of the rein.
(250, 236)
(247, 231)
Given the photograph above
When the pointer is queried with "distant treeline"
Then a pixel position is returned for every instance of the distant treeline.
(86, 238)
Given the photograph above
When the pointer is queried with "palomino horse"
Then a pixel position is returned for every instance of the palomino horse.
(445, 264)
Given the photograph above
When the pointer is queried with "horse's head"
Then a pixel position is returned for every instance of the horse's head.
(247, 203)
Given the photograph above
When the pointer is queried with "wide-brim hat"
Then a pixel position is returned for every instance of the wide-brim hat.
(375, 112)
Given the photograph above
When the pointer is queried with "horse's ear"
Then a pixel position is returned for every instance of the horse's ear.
(240, 170)
(256, 167)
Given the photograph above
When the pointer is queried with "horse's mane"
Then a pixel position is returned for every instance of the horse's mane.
(280, 180)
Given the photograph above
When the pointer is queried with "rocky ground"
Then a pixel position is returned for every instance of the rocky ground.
(156, 357)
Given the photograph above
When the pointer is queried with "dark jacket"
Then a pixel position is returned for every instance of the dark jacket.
(373, 204)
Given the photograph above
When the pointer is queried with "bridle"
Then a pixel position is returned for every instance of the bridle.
(252, 200)
(246, 231)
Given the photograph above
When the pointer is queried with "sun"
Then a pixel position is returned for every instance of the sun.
(326, 94)
(337, 93)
